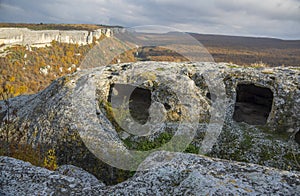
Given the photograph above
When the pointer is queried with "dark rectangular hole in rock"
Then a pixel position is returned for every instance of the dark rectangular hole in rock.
(253, 104)
(139, 100)
(297, 137)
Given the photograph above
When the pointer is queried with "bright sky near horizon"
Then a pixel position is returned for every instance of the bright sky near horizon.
(268, 18)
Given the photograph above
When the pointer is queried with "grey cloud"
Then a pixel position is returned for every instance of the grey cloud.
(267, 9)
(276, 18)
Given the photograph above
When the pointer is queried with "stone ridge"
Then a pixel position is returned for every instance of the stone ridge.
(183, 174)
(284, 83)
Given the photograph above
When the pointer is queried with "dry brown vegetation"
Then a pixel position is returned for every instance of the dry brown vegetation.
(21, 69)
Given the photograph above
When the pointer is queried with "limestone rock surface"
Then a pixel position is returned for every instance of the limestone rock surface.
(181, 174)
(74, 114)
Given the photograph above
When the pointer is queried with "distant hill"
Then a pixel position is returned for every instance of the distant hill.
(249, 50)
(42, 26)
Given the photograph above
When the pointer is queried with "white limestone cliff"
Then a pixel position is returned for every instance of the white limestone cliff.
(25, 36)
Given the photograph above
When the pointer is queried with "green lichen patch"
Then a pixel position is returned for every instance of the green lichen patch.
(146, 145)
(245, 143)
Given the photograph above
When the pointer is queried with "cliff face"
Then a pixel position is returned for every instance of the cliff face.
(86, 115)
(24, 36)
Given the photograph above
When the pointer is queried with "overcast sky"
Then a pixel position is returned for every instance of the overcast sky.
(266, 18)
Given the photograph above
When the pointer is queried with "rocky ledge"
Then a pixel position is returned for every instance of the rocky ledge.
(113, 117)
(182, 174)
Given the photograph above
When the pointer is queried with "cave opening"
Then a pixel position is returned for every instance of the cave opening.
(139, 100)
(253, 104)
(297, 137)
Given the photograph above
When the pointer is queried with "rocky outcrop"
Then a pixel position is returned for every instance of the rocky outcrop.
(22, 178)
(85, 116)
(24, 36)
(173, 174)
